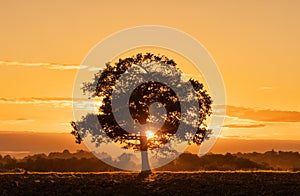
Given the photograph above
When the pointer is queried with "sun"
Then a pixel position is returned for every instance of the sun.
(149, 134)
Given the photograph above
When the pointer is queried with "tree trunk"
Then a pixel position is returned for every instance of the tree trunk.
(144, 155)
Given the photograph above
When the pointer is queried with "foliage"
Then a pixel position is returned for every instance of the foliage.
(86, 162)
(104, 84)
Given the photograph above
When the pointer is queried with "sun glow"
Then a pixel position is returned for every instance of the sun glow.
(149, 134)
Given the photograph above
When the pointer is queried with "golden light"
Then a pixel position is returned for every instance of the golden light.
(149, 134)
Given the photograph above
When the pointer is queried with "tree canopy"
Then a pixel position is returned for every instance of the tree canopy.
(173, 104)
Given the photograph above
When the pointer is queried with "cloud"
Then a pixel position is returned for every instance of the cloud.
(23, 119)
(244, 125)
(54, 101)
(16, 121)
(32, 99)
(236, 113)
(266, 88)
(46, 65)
(57, 102)
(263, 115)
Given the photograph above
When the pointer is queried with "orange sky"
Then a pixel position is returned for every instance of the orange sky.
(255, 44)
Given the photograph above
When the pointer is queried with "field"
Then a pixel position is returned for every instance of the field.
(159, 183)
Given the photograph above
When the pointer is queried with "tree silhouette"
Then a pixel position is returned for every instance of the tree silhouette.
(171, 110)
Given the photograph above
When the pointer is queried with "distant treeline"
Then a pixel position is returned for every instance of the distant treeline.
(270, 160)
(83, 161)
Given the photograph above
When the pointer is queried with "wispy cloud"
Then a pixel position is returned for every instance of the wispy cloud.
(249, 117)
(244, 125)
(55, 101)
(263, 115)
(266, 88)
(45, 65)
(15, 121)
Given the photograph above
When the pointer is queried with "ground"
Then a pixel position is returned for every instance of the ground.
(164, 183)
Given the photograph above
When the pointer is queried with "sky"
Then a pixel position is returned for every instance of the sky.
(254, 43)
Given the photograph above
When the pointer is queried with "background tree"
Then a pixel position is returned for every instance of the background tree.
(143, 96)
